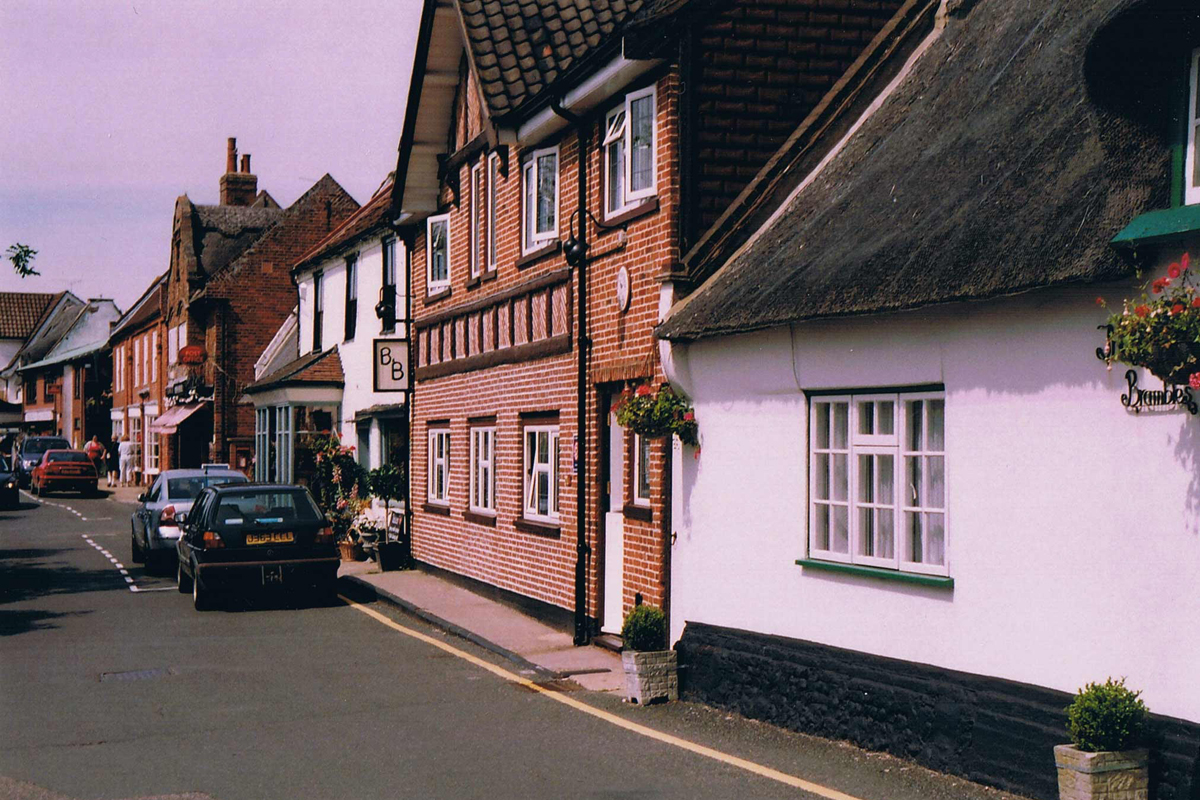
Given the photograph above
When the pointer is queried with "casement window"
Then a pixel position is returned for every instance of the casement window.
(176, 340)
(437, 249)
(478, 218)
(351, 296)
(145, 360)
(318, 305)
(137, 362)
(388, 293)
(493, 183)
(154, 356)
(152, 445)
(629, 152)
(541, 473)
(1191, 169)
(118, 429)
(539, 176)
(262, 445)
(877, 480)
(118, 372)
(641, 470)
(135, 436)
(483, 470)
(283, 444)
(439, 466)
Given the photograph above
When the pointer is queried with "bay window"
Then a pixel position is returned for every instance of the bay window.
(437, 248)
(541, 473)
(439, 466)
(877, 480)
(539, 176)
(483, 472)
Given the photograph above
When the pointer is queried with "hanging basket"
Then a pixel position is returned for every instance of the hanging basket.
(1174, 364)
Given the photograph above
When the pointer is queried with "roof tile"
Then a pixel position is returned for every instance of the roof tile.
(20, 312)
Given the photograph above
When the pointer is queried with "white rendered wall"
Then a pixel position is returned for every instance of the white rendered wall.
(1073, 524)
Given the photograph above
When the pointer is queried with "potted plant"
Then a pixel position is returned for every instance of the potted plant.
(389, 482)
(659, 413)
(1106, 723)
(1160, 330)
(651, 670)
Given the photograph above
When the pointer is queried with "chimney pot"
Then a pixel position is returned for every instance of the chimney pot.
(231, 155)
(246, 163)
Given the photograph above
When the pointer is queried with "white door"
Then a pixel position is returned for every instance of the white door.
(614, 530)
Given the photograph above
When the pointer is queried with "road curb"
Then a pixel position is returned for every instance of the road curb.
(455, 630)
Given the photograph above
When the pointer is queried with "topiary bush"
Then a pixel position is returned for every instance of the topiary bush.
(645, 629)
(1106, 716)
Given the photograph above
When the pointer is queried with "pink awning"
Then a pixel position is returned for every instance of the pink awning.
(170, 421)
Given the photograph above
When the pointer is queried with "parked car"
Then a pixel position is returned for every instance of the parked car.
(154, 524)
(30, 453)
(9, 496)
(257, 535)
(64, 471)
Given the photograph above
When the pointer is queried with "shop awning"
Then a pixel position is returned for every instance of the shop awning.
(170, 421)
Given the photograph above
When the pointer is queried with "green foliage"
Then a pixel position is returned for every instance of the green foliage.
(1106, 716)
(339, 483)
(656, 414)
(388, 482)
(645, 629)
(1160, 329)
(21, 256)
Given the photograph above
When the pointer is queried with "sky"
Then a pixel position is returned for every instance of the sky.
(110, 110)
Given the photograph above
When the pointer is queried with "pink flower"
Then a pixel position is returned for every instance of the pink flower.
(1173, 270)
(644, 390)
(689, 417)
(1142, 311)
(1159, 284)
(1194, 380)
(341, 504)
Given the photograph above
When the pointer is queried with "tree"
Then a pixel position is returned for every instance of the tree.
(21, 256)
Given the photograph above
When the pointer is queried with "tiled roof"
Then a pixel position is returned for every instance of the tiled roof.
(372, 215)
(324, 368)
(145, 309)
(223, 233)
(520, 48)
(20, 312)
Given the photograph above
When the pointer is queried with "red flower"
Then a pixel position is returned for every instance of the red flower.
(644, 390)
(689, 417)
(1196, 302)
(1157, 286)
(1176, 309)
(1183, 262)
(1100, 301)
(1142, 311)
(1194, 380)
(1173, 270)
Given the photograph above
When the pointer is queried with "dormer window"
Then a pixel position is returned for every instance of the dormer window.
(1191, 169)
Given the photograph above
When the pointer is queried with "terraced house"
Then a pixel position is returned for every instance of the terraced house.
(556, 160)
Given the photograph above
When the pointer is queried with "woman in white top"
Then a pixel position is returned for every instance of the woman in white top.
(125, 449)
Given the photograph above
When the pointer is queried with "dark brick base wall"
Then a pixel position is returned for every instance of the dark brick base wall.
(988, 730)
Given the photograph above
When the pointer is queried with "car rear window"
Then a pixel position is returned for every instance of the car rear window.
(265, 507)
(188, 488)
(70, 455)
(35, 447)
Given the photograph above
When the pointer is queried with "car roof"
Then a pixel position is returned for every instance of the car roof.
(199, 473)
(231, 488)
(29, 439)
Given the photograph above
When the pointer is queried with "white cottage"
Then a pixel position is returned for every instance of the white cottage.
(924, 511)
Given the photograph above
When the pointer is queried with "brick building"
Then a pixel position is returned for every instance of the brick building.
(20, 314)
(228, 290)
(139, 379)
(504, 109)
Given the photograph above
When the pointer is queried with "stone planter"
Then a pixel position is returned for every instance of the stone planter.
(1111, 775)
(651, 675)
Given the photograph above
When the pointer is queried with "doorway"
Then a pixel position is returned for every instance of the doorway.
(612, 470)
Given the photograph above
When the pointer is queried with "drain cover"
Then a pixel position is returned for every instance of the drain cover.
(135, 675)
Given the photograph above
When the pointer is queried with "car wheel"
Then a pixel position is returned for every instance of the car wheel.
(136, 554)
(182, 581)
(201, 599)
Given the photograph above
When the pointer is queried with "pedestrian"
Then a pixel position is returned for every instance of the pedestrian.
(96, 452)
(112, 464)
(126, 451)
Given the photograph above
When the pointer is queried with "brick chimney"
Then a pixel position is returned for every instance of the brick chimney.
(237, 188)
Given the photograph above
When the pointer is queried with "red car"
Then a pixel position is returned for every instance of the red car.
(64, 470)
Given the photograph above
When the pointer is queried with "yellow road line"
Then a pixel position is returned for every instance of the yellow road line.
(666, 738)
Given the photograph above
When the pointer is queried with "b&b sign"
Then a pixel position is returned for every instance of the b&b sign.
(391, 365)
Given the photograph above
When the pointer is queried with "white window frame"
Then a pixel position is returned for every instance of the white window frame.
(145, 359)
(1191, 187)
(154, 356)
(531, 238)
(475, 262)
(262, 443)
(443, 283)
(615, 134)
(283, 443)
(135, 437)
(152, 446)
(172, 346)
(118, 368)
(493, 183)
(632, 195)
(875, 443)
(137, 361)
(640, 442)
(483, 470)
(438, 460)
(532, 467)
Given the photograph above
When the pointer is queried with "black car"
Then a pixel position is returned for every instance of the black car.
(9, 497)
(256, 535)
(29, 455)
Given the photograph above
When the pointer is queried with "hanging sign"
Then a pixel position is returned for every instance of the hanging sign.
(391, 365)
(1138, 399)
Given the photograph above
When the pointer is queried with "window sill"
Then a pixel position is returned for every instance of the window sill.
(480, 518)
(483, 277)
(434, 508)
(537, 255)
(936, 581)
(1156, 227)
(635, 511)
(551, 529)
(440, 294)
(646, 206)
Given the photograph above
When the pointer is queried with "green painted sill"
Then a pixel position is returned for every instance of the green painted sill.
(1159, 226)
(875, 572)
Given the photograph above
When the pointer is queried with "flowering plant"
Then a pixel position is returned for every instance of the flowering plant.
(339, 484)
(1160, 330)
(657, 413)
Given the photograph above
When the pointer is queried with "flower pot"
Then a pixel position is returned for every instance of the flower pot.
(392, 556)
(651, 675)
(1108, 774)
(351, 551)
(1174, 364)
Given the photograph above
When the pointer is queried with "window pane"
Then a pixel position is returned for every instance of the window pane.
(643, 467)
(937, 425)
(841, 425)
(885, 535)
(641, 155)
(886, 411)
(530, 205)
(530, 450)
(821, 469)
(841, 477)
(615, 176)
(543, 495)
(1195, 160)
(841, 530)
(915, 421)
(912, 521)
(866, 479)
(822, 527)
(935, 539)
(866, 531)
(885, 480)
(915, 493)
(937, 481)
(822, 426)
(547, 175)
(543, 448)
(866, 418)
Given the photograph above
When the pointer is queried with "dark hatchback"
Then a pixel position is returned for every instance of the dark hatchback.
(9, 498)
(255, 535)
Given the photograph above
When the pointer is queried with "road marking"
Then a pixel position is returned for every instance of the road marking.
(666, 738)
(133, 587)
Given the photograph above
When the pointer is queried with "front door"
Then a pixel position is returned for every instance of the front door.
(614, 528)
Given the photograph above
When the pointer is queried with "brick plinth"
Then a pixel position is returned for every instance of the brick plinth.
(650, 676)
(1111, 775)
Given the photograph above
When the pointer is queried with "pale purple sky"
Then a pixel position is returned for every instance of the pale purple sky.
(110, 110)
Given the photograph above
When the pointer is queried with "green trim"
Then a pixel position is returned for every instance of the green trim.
(1180, 86)
(936, 581)
(1158, 227)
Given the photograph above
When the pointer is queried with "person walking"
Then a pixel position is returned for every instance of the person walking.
(126, 450)
(95, 452)
(112, 463)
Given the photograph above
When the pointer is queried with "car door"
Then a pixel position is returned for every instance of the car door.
(191, 531)
(147, 512)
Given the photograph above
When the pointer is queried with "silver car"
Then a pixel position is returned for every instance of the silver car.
(154, 526)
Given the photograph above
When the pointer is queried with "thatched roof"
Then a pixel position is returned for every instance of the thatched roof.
(1020, 142)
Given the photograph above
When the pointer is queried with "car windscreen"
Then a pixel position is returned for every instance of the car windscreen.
(69, 455)
(188, 488)
(265, 507)
(35, 447)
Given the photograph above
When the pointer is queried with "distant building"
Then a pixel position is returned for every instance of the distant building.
(139, 380)
(20, 314)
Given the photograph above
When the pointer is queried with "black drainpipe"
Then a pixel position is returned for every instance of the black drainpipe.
(577, 257)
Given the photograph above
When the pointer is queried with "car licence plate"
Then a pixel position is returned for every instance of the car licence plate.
(273, 537)
(273, 574)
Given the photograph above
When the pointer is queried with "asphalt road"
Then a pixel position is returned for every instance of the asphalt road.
(115, 688)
